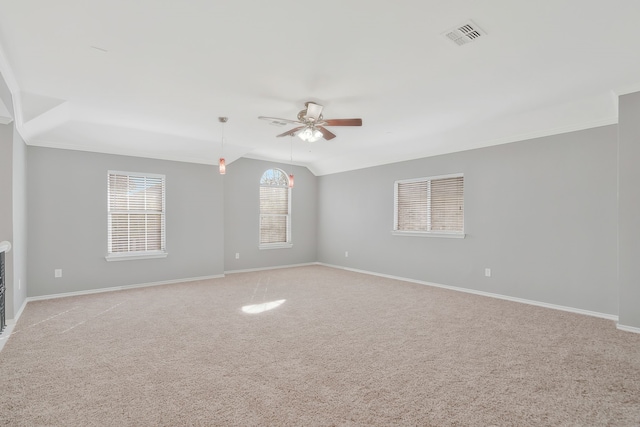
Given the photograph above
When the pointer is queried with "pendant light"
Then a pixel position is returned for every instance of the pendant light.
(222, 167)
(291, 161)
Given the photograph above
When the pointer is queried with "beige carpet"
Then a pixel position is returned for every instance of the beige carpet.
(343, 349)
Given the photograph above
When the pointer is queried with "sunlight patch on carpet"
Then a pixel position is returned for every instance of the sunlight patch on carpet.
(260, 308)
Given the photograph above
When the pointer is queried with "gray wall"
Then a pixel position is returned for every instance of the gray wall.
(629, 209)
(6, 208)
(13, 206)
(540, 213)
(67, 222)
(19, 243)
(242, 209)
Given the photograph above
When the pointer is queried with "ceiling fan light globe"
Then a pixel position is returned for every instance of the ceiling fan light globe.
(306, 135)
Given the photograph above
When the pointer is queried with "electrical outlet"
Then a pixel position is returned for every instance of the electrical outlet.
(19, 284)
(487, 272)
(346, 254)
(57, 273)
(237, 255)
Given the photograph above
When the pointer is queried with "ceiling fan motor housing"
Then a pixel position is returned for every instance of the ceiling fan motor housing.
(302, 116)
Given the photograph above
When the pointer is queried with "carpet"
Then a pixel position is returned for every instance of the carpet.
(314, 346)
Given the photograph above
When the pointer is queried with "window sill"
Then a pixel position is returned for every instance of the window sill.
(134, 256)
(429, 234)
(275, 246)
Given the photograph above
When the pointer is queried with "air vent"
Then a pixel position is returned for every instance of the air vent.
(276, 122)
(465, 33)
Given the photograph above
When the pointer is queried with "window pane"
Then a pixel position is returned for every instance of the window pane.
(447, 204)
(154, 194)
(273, 228)
(137, 232)
(412, 206)
(118, 189)
(154, 232)
(274, 177)
(274, 200)
(136, 213)
(119, 233)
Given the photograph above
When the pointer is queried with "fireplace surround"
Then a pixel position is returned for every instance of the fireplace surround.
(4, 248)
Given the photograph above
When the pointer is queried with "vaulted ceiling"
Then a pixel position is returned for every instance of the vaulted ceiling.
(150, 78)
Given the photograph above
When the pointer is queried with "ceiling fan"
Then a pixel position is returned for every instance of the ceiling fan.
(311, 124)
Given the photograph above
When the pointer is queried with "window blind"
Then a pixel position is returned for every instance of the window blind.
(447, 204)
(136, 213)
(274, 210)
(274, 207)
(413, 206)
(430, 205)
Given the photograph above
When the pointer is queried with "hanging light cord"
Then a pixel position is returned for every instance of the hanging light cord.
(222, 163)
(223, 120)
(291, 163)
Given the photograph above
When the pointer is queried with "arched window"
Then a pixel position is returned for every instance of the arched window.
(275, 210)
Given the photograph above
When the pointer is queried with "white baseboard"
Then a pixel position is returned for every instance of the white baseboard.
(4, 336)
(11, 323)
(249, 270)
(121, 288)
(628, 328)
(19, 313)
(487, 294)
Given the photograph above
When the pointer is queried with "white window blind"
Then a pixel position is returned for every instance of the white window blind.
(275, 204)
(136, 214)
(430, 205)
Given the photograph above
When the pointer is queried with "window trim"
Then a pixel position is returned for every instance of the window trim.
(138, 255)
(263, 246)
(277, 245)
(416, 233)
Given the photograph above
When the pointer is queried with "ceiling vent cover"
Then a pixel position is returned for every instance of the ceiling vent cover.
(465, 33)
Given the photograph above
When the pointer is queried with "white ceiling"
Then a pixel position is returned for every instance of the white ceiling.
(151, 77)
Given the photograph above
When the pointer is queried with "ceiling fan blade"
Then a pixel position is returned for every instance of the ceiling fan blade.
(342, 122)
(327, 134)
(314, 111)
(277, 120)
(291, 132)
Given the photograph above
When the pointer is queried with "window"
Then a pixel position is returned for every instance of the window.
(136, 215)
(275, 210)
(430, 206)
